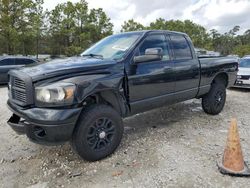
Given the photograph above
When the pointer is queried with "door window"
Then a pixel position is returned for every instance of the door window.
(20, 61)
(180, 47)
(7, 61)
(155, 41)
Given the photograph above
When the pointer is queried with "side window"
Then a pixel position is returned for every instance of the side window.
(7, 61)
(29, 61)
(20, 61)
(155, 41)
(180, 47)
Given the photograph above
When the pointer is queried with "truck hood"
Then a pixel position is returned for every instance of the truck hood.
(66, 66)
(244, 71)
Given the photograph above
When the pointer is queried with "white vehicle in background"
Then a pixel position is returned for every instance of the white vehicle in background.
(243, 78)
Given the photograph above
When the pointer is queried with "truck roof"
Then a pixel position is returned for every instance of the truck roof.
(155, 31)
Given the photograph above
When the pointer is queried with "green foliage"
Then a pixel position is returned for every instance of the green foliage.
(25, 28)
(68, 29)
(242, 50)
(227, 43)
(196, 32)
(20, 23)
(73, 27)
(73, 50)
(131, 25)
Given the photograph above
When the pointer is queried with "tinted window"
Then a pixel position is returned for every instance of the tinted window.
(245, 63)
(20, 61)
(23, 61)
(7, 61)
(155, 41)
(180, 47)
(29, 61)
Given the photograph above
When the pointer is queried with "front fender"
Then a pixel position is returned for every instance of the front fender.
(108, 87)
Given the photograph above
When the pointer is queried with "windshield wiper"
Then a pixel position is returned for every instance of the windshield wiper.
(93, 56)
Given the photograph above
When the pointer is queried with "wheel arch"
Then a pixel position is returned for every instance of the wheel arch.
(109, 97)
(221, 77)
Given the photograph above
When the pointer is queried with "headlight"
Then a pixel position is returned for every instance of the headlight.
(239, 77)
(59, 93)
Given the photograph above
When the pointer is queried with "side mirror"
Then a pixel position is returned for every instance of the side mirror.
(151, 54)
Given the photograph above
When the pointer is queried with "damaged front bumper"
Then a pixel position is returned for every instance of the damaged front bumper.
(44, 125)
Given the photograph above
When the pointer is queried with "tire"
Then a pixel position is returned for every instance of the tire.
(98, 132)
(213, 102)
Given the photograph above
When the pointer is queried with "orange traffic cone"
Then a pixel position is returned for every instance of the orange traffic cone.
(233, 162)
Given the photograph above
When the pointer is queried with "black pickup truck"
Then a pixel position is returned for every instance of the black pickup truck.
(83, 99)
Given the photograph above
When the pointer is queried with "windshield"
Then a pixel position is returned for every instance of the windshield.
(113, 47)
(245, 63)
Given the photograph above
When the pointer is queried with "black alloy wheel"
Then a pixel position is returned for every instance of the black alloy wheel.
(98, 132)
(101, 134)
(213, 102)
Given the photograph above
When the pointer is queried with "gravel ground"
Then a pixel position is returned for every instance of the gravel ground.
(174, 146)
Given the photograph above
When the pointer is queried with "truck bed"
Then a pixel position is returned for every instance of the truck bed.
(212, 65)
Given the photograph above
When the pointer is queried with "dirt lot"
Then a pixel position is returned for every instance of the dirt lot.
(174, 146)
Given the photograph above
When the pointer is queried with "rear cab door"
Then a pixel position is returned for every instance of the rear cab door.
(186, 67)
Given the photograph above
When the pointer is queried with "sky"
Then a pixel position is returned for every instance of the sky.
(222, 15)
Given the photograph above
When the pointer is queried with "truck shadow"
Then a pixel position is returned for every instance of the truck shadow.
(162, 118)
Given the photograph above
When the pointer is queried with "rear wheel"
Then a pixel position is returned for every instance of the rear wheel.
(98, 133)
(213, 102)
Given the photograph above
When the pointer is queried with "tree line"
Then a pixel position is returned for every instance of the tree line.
(227, 43)
(27, 29)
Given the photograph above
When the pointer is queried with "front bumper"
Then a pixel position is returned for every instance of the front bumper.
(44, 125)
(241, 83)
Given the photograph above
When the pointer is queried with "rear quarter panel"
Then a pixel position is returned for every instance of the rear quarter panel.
(211, 67)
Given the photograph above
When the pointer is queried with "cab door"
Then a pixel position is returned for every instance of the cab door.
(186, 68)
(151, 82)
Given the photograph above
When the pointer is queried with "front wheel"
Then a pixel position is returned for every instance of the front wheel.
(98, 132)
(213, 102)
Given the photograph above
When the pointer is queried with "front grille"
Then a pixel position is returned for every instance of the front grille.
(21, 89)
(18, 95)
(18, 90)
(19, 83)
